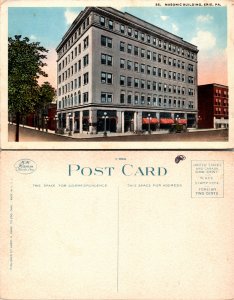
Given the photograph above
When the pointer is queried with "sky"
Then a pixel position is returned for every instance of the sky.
(205, 27)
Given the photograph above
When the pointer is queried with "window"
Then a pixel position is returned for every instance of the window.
(122, 96)
(183, 78)
(106, 97)
(174, 75)
(106, 59)
(142, 68)
(159, 72)
(121, 46)
(129, 65)
(174, 62)
(165, 45)
(129, 81)
(154, 56)
(122, 28)
(106, 41)
(129, 48)
(154, 41)
(160, 43)
(136, 50)
(129, 31)
(122, 80)
(142, 52)
(136, 82)
(143, 37)
(75, 67)
(178, 63)
(169, 89)
(142, 99)
(85, 97)
(142, 83)
(148, 38)
(136, 100)
(183, 90)
(129, 98)
(86, 60)
(79, 65)
(75, 84)
(159, 58)
(148, 84)
(86, 42)
(102, 21)
(79, 81)
(154, 100)
(122, 63)
(165, 87)
(148, 99)
(136, 67)
(110, 24)
(154, 71)
(136, 34)
(159, 87)
(86, 78)
(106, 78)
(164, 59)
(178, 76)
(148, 54)
(148, 70)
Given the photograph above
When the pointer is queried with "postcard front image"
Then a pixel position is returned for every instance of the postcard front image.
(119, 77)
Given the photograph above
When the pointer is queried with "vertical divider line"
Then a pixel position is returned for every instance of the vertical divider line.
(117, 265)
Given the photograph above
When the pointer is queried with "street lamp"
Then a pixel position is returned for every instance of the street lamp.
(105, 117)
(56, 123)
(70, 117)
(149, 121)
(46, 122)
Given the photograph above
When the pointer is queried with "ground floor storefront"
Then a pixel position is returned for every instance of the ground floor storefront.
(95, 120)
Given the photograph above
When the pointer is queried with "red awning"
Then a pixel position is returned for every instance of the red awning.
(166, 121)
(182, 121)
(152, 121)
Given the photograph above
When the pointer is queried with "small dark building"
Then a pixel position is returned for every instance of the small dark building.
(212, 106)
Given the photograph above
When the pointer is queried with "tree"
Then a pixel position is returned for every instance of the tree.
(46, 95)
(25, 63)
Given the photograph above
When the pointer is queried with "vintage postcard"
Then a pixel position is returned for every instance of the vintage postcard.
(113, 225)
(130, 75)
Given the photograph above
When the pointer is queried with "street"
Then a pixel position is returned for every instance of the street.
(32, 135)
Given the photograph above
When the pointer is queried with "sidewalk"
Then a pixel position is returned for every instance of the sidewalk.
(87, 135)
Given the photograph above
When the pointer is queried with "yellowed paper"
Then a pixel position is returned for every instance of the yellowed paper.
(116, 225)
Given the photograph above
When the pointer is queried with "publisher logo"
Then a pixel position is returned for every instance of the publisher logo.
(25, 166)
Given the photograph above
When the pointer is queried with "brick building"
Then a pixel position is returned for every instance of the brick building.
(212, 106)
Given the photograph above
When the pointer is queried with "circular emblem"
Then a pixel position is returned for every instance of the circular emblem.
(25, 166)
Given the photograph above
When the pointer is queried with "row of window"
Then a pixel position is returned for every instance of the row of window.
(74, 84)
(155, 71)
(144, 37)
(220, 111)
(128, 98)
(75, 36)
(157, 57)
(220, 102)
(69, 101)
(73, 54)
(73, 69)
(219, 93)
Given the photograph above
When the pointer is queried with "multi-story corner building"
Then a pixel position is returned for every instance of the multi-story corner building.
(212, 106)
(117, 70)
